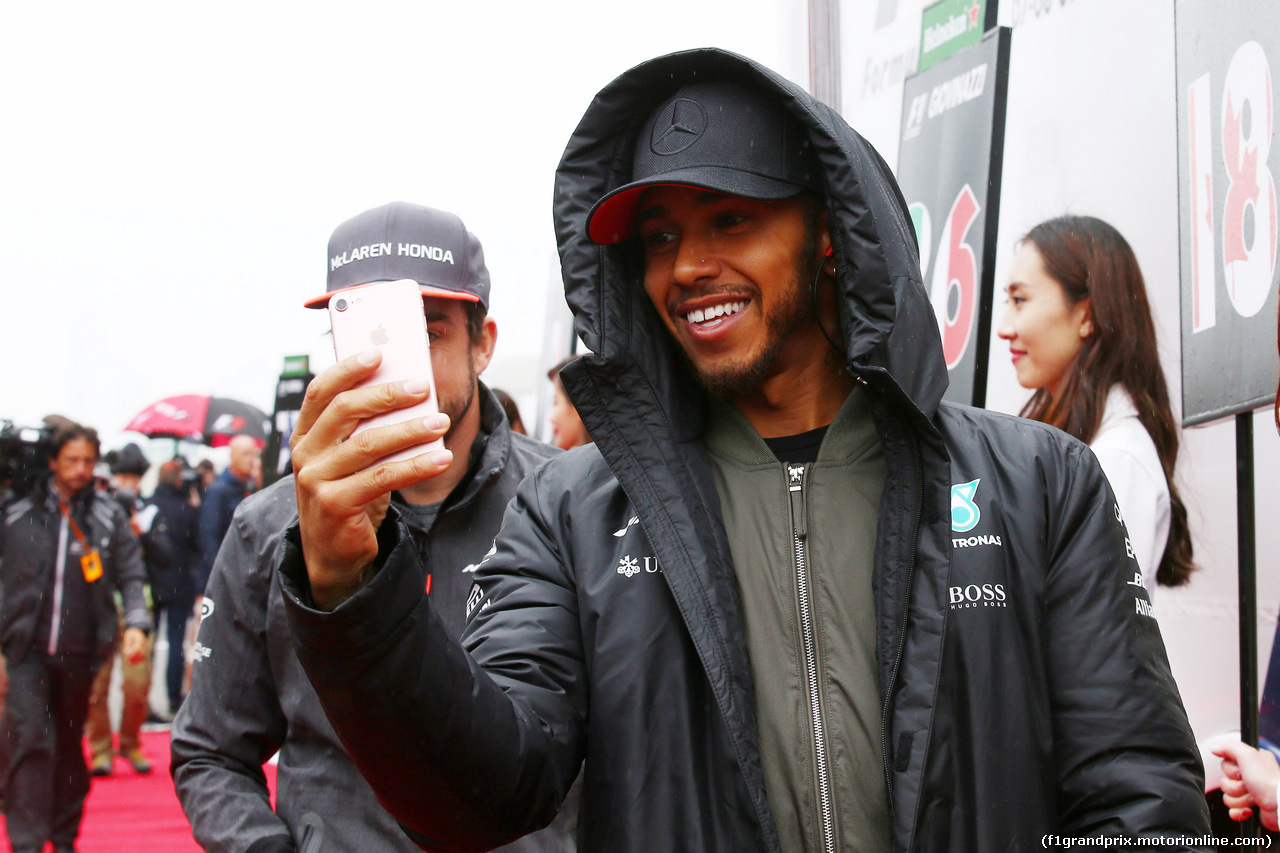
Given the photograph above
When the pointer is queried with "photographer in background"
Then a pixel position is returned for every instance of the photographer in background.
(24, 453)
(127, 469)
(64, 551)
(205, 475)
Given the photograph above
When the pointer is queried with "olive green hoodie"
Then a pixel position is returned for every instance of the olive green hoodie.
(803, 542)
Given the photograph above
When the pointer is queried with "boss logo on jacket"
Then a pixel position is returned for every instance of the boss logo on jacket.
(979, 586)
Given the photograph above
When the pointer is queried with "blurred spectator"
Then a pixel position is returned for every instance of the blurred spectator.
(255, 473)
(511, 410)
(176, 592)
(207, 475)
(127, 469)
(221, 499)
(57, 630)
(567, 430)
(7, 496)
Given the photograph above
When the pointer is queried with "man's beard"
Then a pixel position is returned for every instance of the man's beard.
(731, 380)
(457, 407)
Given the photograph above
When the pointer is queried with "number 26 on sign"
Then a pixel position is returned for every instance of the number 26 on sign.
(954, 284)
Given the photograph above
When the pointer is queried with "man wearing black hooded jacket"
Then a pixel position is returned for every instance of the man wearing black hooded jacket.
(789, 599)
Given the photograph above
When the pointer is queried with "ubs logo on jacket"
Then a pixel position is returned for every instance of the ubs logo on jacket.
(629, 565)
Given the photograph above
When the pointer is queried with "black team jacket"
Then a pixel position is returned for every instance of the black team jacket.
(250, 698)
(605, 625)
(29, 538)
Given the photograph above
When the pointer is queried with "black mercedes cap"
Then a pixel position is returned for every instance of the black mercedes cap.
(722, 137)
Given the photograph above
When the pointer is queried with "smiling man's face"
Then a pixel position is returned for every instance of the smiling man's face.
(730, 278)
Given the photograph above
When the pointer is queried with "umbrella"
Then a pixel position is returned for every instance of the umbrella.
(201, 418)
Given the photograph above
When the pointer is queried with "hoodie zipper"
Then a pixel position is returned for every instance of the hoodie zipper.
(800, 532)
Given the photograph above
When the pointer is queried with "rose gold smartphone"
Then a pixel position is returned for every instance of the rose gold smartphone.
(387, 315)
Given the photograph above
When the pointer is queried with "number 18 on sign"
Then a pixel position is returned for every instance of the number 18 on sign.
(1228, 234)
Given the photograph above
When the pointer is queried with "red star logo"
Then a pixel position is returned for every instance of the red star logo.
(973, 14)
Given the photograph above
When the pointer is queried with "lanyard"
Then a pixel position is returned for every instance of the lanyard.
(75, 528)
(90, 560)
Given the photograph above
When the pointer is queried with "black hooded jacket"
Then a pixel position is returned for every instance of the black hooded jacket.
(1024, 683)
(29, 541)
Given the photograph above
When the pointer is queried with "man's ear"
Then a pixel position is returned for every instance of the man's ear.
(482, 350)
(824, 245)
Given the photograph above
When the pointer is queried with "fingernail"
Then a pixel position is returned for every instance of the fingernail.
(435, 421)
(417, 386)
(368, 356)
(441, 458)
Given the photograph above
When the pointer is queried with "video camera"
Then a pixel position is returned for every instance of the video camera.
(24, 455)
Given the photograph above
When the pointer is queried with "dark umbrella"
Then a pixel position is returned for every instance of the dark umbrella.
(197, 417)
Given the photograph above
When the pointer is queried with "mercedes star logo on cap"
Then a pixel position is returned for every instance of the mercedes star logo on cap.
(679, 126)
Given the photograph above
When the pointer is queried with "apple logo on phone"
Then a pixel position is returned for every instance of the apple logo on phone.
(378, 336)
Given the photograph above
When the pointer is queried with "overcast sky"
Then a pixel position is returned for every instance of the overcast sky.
(172, 171)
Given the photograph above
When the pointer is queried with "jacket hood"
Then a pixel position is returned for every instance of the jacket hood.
(885, 314)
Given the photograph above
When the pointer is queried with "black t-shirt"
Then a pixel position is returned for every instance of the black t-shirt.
(798, 448)
(419, 517)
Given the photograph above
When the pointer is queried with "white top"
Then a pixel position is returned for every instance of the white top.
(1129, 459)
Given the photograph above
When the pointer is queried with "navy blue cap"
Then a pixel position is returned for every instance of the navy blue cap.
(401, 240)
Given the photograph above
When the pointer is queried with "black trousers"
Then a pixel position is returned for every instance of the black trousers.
(44, 721)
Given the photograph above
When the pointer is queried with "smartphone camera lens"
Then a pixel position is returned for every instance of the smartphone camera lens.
(341, 305)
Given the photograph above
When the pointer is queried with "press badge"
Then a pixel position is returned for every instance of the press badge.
(92, 565)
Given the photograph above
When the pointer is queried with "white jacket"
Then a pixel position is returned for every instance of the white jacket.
(1129, 459)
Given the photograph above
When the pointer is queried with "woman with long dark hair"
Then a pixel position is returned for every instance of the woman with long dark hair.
(1080, 332)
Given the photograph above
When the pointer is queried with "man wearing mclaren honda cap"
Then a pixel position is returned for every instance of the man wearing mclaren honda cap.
(249, 696)
(789, 599)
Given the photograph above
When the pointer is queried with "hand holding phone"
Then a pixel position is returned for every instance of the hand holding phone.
(387, 315)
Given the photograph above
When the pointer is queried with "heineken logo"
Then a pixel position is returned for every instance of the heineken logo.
(955, 26)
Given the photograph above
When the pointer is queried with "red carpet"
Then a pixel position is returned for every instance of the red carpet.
(127, 813)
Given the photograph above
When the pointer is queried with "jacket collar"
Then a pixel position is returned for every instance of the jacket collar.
(488, 452)
(730, 435)
(80, 501)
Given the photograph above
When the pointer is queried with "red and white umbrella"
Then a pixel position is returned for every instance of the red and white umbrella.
(197, 417)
